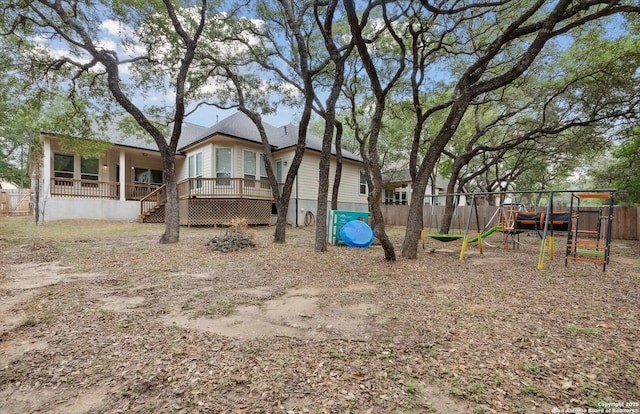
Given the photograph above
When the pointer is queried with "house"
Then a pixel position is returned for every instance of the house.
(221, 175)
(397, 188)
(7, 185)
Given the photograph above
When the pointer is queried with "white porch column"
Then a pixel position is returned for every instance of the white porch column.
(46, 168)
(123, 176)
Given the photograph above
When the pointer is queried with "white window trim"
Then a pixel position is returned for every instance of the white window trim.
(215, 164)
(281, 162)
(84, 174)
(362, 173)
(259, 162)
(197, 172)
(53, 164)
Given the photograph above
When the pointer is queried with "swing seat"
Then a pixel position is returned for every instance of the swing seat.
(445, 237)
(590, 252)
(451, 237)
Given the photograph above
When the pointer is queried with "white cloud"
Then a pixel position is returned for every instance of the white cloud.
(114, 28)
(134, 49)
(107, 44)
(61, 52)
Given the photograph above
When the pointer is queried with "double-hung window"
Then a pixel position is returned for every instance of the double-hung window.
(363, 182)
(63, 168)
(223, 165)
(388, 196)
(195, 170)
(89, 171)
(253, 167)
(279, 171)
(89, 168)
(249, 167)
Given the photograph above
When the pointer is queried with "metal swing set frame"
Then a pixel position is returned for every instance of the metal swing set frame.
(587, 243)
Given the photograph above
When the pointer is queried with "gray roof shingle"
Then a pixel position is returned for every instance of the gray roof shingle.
(238, 126)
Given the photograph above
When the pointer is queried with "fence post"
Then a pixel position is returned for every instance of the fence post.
(4, 203)
(637, 223)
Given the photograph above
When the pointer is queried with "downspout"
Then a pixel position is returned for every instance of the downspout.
(296, 200)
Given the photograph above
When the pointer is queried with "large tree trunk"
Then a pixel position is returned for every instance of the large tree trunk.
(172, 209)
(321, 213)
(338, 175)
(325, 162)
(279, 235)
(371, 156)
(414, 220)
(281, 198)
(450, 202)
(447, 219)
(375, 197)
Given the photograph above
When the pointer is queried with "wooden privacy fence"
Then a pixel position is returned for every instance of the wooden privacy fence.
(626, 220)
(15, 202)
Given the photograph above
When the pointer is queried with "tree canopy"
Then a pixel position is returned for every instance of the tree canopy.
(494, 94)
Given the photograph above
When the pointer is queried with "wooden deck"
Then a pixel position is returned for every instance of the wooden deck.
(213, 201)
(203, 201)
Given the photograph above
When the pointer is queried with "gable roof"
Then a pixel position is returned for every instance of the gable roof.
(241, 127)
(238, 126)
(7, 185)
(112, 133)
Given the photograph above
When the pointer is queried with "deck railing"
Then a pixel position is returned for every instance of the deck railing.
(225, 188)
(152, 196)
(139, 191)
(69, 187)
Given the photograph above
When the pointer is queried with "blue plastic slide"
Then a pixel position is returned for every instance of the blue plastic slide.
(356, 233)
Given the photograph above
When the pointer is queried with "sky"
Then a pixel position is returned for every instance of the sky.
(208, 116)
(111, 33)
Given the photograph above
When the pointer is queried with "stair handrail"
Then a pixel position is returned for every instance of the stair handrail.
(154, 199)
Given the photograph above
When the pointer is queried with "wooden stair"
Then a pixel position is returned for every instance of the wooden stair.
(154, 215)
(153, 205)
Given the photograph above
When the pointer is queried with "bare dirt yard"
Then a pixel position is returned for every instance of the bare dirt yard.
(98, 317)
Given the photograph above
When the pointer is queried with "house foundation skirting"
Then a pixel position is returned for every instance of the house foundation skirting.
(70, 208)
(209, 212)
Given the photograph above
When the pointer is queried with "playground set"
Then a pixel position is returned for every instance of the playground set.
(588, 230)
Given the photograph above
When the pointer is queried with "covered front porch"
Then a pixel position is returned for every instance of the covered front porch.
(120, 173)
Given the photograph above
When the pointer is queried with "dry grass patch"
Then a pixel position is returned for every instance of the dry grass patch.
(341, 331)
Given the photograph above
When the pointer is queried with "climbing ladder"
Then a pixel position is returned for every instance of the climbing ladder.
(589, 235)
(508, 220)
